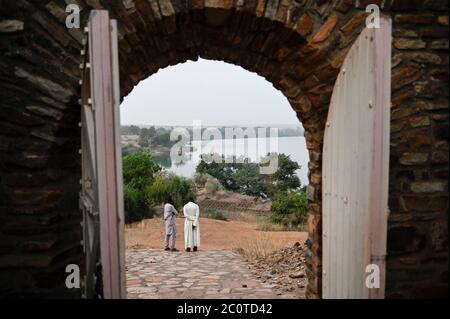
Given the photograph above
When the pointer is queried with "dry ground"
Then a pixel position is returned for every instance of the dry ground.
(215, 234)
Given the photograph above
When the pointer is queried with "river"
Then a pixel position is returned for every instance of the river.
(295, 147)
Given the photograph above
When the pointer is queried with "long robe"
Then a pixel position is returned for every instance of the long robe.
(171, 228)
(191, 213)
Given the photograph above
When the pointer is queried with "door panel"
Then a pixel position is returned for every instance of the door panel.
(101, 157)
(355, 168)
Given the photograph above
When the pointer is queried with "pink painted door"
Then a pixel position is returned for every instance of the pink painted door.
(355, 170)
(101, 197)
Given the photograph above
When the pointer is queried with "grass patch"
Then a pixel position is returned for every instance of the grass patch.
(266, 225)
(259, 246)
(214, 214)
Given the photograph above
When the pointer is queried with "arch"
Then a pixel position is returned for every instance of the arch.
(291, 45)
(297, 45)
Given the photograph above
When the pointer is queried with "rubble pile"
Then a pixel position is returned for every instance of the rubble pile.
(283, 270)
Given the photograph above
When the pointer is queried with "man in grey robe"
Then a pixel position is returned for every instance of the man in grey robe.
(170, 214)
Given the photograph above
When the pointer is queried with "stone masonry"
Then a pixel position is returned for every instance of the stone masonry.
(297, 45)
(158, 274)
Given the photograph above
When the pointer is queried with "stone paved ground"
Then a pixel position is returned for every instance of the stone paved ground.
(156, 274)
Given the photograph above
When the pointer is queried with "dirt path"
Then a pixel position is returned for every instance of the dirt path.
(215, 234)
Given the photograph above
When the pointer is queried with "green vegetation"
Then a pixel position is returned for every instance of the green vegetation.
(138, 173)
(285, 178)
(289, 202)
(289, 208)
(214, 214)
(150, 137)
(145, 187)
(136, 207)
(139, 170)
(245, 177)
(178, 188)
(130, 149)
(130, 130)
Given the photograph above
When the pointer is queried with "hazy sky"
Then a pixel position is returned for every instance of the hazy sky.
(214, 92)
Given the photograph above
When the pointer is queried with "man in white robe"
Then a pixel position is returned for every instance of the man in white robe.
(191, 213)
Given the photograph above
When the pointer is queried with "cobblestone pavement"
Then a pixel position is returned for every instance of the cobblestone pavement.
(158, 274)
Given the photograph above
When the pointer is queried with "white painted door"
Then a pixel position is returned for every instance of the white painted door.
(355, 170)
(101, 198)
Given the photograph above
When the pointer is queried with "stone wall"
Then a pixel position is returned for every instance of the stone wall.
(417, 261)
(297, 45)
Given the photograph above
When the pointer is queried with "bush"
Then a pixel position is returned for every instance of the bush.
(178, 188)
(136, 207)
(212, 185)
(289, 208)
(214, 214)
(200, 179)
(130, 149)
(138, 172)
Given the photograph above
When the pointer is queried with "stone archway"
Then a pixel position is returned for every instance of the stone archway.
(293, 48)
(298, 46)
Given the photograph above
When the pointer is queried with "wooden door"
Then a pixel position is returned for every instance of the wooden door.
(101, 197)
(355, 169)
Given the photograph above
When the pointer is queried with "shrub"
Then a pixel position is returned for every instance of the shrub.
(214, 214)
(178, 188)
(289, 208)
(200, 179)
(135, 205)
(212, 185)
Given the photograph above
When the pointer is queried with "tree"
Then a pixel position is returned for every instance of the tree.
(285, 178)
(244, 176)
(138, 170)
(130, 130)
(248, 180)
(178, 188)
(145, 137)
(163, 139)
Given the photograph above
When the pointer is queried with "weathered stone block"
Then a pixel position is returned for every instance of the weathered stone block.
(55, 90)
(419, 121)
(414, 158)
(421, 57)
(324, 32)
(422, 203)
(419, 141)
(304, 25)
(439, 45)
(429, 187)
(405, 74)
(443, 20)
(9, 26)
(409, 44)
(439, 157)
(415, 18)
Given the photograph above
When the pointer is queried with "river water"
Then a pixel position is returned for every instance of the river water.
(295, 147)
